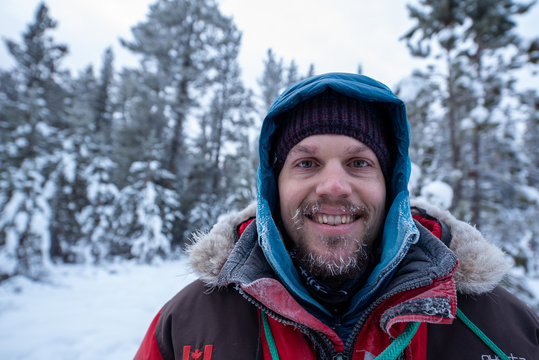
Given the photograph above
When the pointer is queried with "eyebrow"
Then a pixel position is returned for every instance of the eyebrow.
(355, 149)
(310, 150)
(313, 149)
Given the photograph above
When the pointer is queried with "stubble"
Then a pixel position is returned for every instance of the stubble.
(338, 263)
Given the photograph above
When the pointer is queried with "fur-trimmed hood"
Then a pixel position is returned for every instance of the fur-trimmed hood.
(399, 233)
(482, 265)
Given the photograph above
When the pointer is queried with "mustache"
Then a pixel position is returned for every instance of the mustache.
(311, 208)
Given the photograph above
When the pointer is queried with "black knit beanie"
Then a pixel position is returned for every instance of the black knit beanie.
(333, 113)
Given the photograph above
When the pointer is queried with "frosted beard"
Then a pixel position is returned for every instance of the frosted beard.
(335, 266)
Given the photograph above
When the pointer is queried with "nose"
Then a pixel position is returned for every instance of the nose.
(333, 182)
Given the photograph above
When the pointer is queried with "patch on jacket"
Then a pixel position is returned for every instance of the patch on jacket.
(189, 354)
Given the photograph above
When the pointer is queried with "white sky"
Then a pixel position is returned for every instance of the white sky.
(335, 35)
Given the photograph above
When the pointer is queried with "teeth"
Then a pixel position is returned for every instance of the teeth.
(333, 219)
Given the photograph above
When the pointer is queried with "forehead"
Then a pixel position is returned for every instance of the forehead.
(328, 143)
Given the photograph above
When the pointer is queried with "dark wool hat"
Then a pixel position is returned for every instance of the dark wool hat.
(333, 113)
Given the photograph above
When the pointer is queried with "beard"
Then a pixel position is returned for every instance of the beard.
(334, 270)
(345, 256)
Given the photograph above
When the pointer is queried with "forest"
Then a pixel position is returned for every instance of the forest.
(127, 163)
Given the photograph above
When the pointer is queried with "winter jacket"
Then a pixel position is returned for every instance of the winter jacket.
(253, 301)
(220, 315)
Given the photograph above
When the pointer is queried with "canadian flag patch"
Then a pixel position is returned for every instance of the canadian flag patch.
(196, 354)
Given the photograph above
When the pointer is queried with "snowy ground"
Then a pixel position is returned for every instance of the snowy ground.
(85, 312)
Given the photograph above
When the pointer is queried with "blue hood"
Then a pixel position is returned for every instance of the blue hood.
(399, 229)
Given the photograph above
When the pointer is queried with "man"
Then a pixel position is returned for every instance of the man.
(335, 264)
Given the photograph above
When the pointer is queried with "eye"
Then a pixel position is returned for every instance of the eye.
(359, 163)
(306, 164)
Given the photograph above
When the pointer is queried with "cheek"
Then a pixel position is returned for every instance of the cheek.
(381, 196)
(375, 196)
(288, 195)
(283, 196)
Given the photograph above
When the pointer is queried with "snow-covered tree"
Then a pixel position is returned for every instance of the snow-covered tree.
(480, 48)
(78, 146)
(437, 23)
(292, 73)
(488, 165)
(145, 214)
(423, 108)
(177, 44)
(35, 126)
(272, 80)
(141, 122)
(103, 103)
(224, 127)
(97, 219)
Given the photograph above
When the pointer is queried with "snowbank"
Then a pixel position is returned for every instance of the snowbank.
(85, 312)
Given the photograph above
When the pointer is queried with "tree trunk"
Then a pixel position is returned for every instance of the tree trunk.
(453, 138)
(476, 176)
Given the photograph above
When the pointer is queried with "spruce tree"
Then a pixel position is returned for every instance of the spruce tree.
(177, 47)
(103, 103)
(272, 80)
(224, 127)
(472, 37)
(421, 96)
(488, 168)
(37, 126)
(145, 214)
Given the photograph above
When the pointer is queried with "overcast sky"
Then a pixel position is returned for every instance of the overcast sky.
(334, 35)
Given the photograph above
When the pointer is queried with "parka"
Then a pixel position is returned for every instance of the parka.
(250, 302)
(219, 316)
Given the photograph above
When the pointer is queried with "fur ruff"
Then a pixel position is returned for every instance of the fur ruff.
(482, 265)
(208, 252)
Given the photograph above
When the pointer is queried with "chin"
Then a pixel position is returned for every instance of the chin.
(341, 257)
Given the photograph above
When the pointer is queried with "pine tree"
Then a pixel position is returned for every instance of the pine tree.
(142, 121)
(311, 72)
(438, 22)
(421, 96)
(530, 100)
(272, 80)
(80, 146)
(36, 128)
(491, 30)
(471, 36)
(224, 127)
(292, 73)
(177, 44)
(145, 214)
(103, 104)
(488, 168)
(97, 218)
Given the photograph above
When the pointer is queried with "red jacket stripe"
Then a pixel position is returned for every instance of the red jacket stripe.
(148, 349)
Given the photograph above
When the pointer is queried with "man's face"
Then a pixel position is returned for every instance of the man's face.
(332, 199)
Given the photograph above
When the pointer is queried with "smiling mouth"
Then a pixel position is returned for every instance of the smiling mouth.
(333, 220)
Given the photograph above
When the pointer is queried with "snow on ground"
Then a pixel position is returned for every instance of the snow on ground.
(85, 312)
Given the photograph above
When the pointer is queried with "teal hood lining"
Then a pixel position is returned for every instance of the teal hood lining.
(399, 229)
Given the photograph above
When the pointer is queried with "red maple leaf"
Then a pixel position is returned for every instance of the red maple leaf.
(197, 354)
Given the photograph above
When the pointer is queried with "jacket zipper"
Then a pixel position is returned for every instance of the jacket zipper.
(350, 343)
(327, 344)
